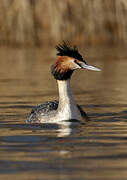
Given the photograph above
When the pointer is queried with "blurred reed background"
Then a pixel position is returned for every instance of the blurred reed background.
(38, 22)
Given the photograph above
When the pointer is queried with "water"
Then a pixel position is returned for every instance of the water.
(95, 150)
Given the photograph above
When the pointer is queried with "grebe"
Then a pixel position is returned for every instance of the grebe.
(68, 59)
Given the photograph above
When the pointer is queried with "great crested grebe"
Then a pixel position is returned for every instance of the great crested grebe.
(68, 59)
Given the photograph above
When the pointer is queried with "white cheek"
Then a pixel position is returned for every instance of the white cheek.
(74, 65)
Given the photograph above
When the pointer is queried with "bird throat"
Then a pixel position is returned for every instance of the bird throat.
(67, 107)
(58, 75)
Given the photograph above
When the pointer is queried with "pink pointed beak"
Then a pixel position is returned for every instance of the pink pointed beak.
(86, 66)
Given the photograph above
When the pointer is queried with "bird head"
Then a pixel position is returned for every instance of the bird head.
(68, 59)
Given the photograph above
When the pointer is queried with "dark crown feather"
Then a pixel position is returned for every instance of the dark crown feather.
(66, 50)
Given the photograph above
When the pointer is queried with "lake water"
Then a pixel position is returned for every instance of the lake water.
(95, 150)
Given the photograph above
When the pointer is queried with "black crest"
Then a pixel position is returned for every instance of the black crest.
(66, 50)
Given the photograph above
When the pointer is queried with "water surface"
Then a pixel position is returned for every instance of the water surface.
(95, 150)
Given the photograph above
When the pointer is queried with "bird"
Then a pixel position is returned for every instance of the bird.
(68, 59)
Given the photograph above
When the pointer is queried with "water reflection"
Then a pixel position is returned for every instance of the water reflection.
(93, 150)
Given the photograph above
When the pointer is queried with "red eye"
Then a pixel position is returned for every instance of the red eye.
(75, 61)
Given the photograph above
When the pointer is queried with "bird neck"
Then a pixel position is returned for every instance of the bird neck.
(65, 92)
(67, 108)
